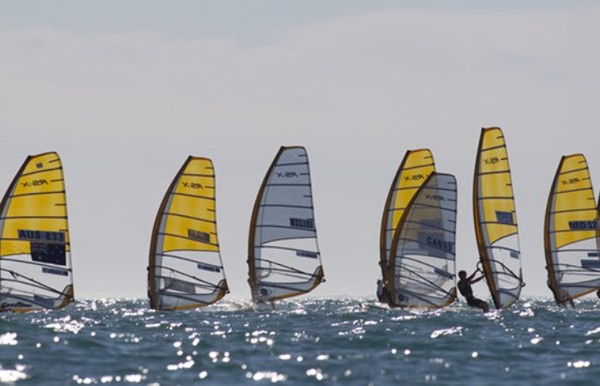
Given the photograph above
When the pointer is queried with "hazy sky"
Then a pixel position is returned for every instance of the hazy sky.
(125, 91)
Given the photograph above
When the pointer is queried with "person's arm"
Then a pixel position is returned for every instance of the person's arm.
(476, 280)
(470, 278)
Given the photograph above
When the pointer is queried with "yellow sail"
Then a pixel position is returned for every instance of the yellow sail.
(416, 166)
(496, 219)
(185, 269)
(35, 249)
(570, 232)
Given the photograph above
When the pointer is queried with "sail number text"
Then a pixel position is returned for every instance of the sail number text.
(56, 237)
(583, 225)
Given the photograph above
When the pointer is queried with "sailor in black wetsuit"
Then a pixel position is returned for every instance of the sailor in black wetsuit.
(464, 286)
(383, 295)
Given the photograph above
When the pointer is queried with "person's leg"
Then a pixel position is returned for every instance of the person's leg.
(483, 305)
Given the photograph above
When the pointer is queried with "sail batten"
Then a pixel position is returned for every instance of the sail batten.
(571, 238)
(495, 219)
(34, 234)
(185, 269)
(283, 254)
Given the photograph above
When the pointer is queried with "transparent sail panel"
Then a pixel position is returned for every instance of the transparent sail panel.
(35, 250)
(571, 232)
(284, 256)
(186, 270)
(423, 263)
(496, 219)
(416, 166)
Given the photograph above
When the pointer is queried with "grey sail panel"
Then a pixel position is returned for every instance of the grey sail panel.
(422, 267)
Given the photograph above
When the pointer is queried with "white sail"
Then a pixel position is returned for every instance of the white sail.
(422, 263)
(283, 254)
(35, 250)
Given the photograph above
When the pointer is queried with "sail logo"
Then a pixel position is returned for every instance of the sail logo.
(208, 267)
(28, 184)
(492, 161)
(583, 225)
(442, 245)
(203, 237)
(311, 255)
(414, 177)
(302, 223)
(570, 181)
(48, 236)
(6, 305)
(192, 185)
(286, 174)
(55, 271)
(435, 197)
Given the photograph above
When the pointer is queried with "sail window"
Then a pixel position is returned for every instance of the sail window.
(505, 217)
(304, 223)
(199, 236)
(49, 253)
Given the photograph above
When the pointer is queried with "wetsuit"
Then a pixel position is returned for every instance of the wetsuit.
(464, 286)
(383, 295)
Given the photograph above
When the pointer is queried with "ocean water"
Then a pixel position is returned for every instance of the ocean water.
(302, 342)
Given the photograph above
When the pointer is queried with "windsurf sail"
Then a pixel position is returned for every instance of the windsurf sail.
(35, 249)
(283, 253)
(496, 219)
(413, 171)
(422, 260)
(185, 267)
(571, 232)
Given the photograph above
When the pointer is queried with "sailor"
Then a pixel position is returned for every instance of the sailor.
(382, 292)
(464, 286)
(263, 298)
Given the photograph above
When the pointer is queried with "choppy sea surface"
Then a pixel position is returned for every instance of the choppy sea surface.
(302, 342)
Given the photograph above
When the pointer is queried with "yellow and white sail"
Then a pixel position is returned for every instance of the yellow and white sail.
(571, 232)
(185, 267)
(423, 254)
(35, 249)
(496, 219)
(414, 169)
(283, 254)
